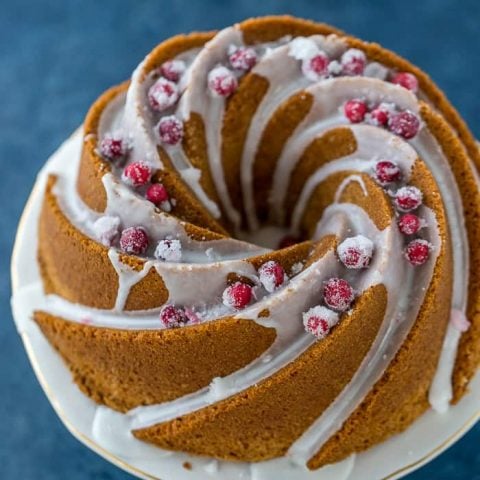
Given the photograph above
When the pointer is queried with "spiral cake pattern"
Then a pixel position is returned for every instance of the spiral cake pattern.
(269, 247)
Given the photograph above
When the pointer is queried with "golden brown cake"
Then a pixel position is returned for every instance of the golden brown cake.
(265, 251)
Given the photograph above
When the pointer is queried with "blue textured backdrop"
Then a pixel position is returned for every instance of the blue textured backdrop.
(57, 56)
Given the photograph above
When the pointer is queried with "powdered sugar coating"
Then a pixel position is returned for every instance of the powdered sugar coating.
(242, 58)
(238, 295)
(418, 251)
(353, 62)
(134, 240)
(137, 174)
(319, 320)
(173, 70)
(356, 252)
(163, 94)
(222, 82)
(170, 130)
(338, 294)
(271, 275)
(169, 250)
(408, 198)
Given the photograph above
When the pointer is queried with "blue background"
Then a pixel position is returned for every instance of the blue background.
(57, 56)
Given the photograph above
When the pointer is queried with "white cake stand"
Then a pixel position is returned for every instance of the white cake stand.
(424, 440)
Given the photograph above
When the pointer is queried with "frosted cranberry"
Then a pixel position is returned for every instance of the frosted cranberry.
(409, 224)
(380, 114)
(316, 67)
(173, 317)
(417, 252)
(243, 58)
(353, 62)
(172, 70)
(169, 250)
(222, 82)
(237, 295)
(157, 194)
(113, 147)
(387, 172)
(405, 124)
(288, 241)
(406, 80)
(134, 240)
(408, 198)
(319, 320)
(356, 252)
(338, 294)
(137, 174)
(355, 110)
(272, 275)
(162, 95)
(170, 130)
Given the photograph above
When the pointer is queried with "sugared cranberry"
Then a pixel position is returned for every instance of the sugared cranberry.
(380, 114)
(355, 110)
(173, 317)
(238, 295)
(137, 174)
(134, 240)
(338, 294)
(170, 130)
(288, 241)
(163, 94)
(316, 67)
(417, 251)
(172, 70)
(408, 198)
(169, 250)
(157, 194)
(387, 172)
(272, 275)
(113, 147)
(409, 224)
(356, 252)
(243, 58)
(319, 320)
(406, 80)
(353, 62)
(222, 82)
(405, 124)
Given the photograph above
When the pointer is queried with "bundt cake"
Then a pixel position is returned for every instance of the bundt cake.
(267, 248)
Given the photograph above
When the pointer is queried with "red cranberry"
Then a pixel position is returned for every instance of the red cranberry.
(355, 110)
(169, 250)
(409, 224)
(417, 252)
(353, 62)
(379, 115)
(113, 147)
(243, 58)
(137, 174)
(319, 320)
(316, 67)
(238, 295)
(408, 198)
(170, 130)
(406, 80)
(173, 317)
(134, 240)
(172, 70)
(356, 252)
(162, 95)
(405, 124)
(338, 294)
(157, 194)
(387, 172)
(222, 82)
(272, 275)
